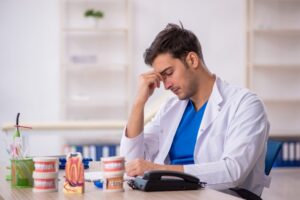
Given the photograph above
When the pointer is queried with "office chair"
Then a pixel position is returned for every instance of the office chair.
(273, 149)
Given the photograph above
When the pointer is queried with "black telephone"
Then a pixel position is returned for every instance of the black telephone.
(161, 180)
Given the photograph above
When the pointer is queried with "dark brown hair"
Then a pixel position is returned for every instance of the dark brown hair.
(174, 40)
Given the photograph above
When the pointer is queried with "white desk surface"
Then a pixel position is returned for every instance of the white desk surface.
(91, 192)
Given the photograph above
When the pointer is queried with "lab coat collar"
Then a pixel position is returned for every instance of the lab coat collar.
(213, 107)
(216, 95)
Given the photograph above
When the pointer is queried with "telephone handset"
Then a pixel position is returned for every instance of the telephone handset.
(161, 180)
(158, 175)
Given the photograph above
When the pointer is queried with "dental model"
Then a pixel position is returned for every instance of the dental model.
(74, 178)
(45, 174)
(45, 182)
(45, 164)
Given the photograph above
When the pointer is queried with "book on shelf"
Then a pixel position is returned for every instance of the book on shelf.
(94, 151)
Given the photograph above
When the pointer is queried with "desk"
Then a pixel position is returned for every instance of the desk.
(285, 184)
(91, 192)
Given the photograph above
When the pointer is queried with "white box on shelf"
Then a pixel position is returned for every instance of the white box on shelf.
(84, 59)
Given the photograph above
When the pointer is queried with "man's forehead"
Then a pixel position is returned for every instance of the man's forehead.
(161, 68)
(162, 59)
(163, 62)
(164, 69)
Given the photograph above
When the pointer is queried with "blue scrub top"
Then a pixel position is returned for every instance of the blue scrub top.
(183, 145)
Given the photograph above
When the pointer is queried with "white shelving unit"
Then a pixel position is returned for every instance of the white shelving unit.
(95, 60)
(273, 61)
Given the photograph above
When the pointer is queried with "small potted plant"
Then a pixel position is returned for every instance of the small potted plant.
(94, 14)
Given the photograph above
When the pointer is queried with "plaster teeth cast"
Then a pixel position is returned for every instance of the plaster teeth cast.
(45, 174)
(113, 169)
(112, 164)
(113, 181)
(45, 164)
(45, 182)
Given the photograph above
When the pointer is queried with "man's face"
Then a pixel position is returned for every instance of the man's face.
(177, 76)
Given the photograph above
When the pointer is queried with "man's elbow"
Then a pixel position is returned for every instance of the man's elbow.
(237, 175)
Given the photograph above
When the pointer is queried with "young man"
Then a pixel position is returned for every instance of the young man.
(210, 129)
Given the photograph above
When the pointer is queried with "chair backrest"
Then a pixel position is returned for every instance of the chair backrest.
(273, 149)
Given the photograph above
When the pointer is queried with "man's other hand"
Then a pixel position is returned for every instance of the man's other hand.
(137, 167)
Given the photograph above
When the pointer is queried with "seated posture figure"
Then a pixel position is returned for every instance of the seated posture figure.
(210, 129)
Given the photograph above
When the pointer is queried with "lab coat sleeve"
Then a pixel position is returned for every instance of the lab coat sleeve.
(145, 145)
(244, 144)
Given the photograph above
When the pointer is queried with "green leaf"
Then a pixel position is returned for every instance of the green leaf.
(98, 14)
(89, 13)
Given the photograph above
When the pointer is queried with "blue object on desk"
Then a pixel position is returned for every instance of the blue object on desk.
(85, 161)
(98, 184)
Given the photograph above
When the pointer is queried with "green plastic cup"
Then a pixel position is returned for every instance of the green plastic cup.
(21, 173)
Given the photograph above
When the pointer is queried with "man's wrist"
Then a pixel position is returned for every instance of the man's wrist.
(139, 103)
(178, 168)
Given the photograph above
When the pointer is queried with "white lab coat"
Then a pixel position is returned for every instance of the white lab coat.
(231, 141)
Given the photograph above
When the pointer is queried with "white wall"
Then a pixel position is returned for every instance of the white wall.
(29, 47)
(29, 62)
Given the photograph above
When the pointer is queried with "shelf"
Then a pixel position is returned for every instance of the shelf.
(69, 125)
(272, 14)
(284, 118)
(283, 66)
(95, 30)
(91, 32)
(91, 113)
(96, 59)
(284, 134)
(90, 1)
(115, 16)
(88, 49)
(281, 100)
(279, 32)
(102, 67)
(273, 61)
(282, 1)
(275, 49)
(85, 102)
(275, 83)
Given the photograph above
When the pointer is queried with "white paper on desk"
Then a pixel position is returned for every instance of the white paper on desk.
(93, 176)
